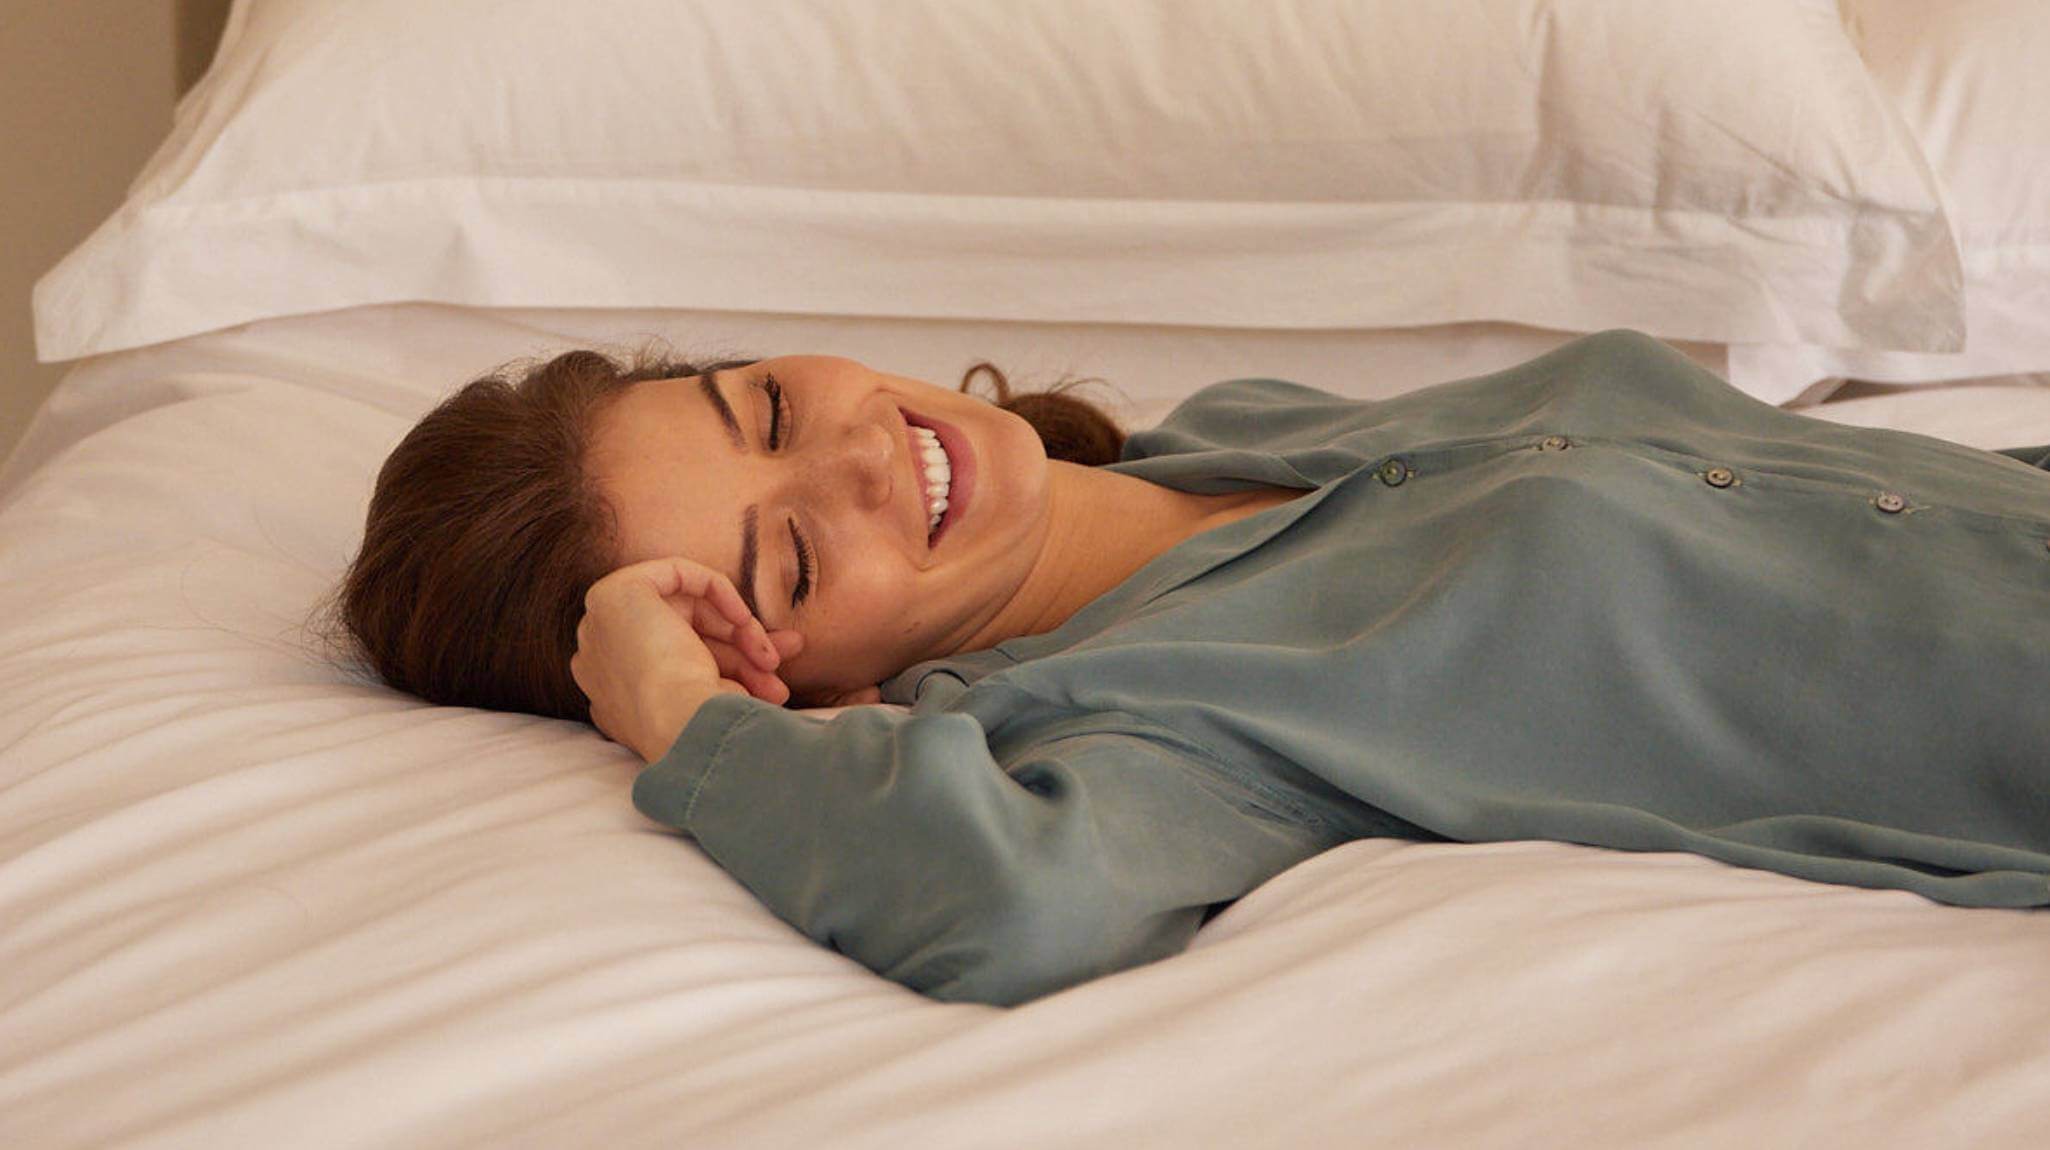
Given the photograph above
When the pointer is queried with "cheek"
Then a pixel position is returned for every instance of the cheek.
(864, 622)
(874, 598)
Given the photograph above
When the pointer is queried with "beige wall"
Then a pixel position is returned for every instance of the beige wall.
(86, 88)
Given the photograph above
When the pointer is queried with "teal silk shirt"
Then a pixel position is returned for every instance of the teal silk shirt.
(1602, 597)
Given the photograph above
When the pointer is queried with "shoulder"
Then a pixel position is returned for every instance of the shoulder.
(1255, 392)
(1249, 413)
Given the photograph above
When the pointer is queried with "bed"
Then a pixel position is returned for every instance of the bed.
(251, 897)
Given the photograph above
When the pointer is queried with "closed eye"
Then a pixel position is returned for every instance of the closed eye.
(805, 562)
(807, 558)
(778, 410)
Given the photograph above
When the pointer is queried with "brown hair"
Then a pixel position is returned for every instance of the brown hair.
(484, 529)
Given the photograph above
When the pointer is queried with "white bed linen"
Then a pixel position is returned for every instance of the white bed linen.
(1291, 164)
(1969, 79)
(245, 901)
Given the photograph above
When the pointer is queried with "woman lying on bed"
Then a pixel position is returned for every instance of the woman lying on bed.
(1602, 597)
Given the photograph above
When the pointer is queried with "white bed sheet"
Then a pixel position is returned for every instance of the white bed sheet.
(245, 901)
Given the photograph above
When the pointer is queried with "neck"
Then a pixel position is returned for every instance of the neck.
(1090, 547)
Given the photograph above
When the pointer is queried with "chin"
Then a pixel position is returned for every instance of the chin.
(802, 698)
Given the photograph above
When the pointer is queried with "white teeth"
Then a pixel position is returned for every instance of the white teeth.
(939, 474)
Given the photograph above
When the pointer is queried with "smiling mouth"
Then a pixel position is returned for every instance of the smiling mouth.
(941, 474)
(936, 472)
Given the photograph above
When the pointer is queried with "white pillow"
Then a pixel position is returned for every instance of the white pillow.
(1972, 79)
(1699, 171)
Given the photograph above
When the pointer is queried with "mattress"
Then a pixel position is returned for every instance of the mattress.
(248, 897)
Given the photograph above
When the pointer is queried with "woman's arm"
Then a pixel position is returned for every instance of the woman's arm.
(898, 840)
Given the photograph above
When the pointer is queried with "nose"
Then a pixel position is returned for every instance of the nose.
(856, 469)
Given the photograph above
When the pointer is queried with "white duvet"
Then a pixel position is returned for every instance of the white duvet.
(247, 900)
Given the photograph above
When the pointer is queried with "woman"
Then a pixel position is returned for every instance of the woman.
(1601, 597)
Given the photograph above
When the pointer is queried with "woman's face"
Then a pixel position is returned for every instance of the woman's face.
(844, 471)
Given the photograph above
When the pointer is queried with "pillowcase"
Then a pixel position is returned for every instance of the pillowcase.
(1714, 172)
(1972, 79)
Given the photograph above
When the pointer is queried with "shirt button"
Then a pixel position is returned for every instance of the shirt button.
(1719, 476)
(1889, 502)
(1394, 472)
(1554, 443)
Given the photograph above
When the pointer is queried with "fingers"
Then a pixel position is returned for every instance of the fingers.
(700, 581)
(759, 681)
(764, 686)
(672, 575)
(716, 610)
(752, 637)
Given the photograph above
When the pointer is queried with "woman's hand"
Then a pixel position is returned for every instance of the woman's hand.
(660, 637)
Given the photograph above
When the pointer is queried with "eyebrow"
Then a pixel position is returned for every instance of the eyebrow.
(709, 383)
(750, 551)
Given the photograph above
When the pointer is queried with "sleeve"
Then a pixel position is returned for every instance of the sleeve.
(897, 840)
